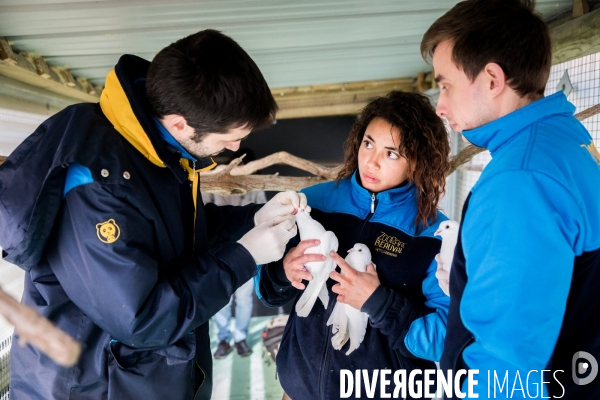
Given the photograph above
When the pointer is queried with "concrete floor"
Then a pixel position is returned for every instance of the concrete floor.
(235, 378)
(248, 378)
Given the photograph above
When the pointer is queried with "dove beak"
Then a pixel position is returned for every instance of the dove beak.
(351, 250)
(438, 233)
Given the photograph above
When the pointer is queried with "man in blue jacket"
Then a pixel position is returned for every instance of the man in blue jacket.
(100, 206)
(526, 272)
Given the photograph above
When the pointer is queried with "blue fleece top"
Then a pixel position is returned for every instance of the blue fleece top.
(528, 217)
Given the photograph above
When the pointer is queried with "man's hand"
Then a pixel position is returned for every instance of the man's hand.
(353, 288)
(283, 204)
(442, 276)
(294, 260)
(266, 242)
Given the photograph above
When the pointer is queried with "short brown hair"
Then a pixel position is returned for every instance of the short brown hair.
(505, 32)
(423, 141)
(212, 82)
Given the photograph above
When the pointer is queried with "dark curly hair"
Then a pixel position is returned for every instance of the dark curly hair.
(423, 141)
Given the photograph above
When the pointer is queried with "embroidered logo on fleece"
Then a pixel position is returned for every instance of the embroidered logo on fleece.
(108, 232)
(388, 245)
(593, 151)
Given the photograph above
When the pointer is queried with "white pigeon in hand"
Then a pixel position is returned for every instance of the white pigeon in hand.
(448, 230)
(320, 270)
(347, 322)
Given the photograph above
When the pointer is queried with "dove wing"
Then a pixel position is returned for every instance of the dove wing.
(339, 322)
(320, 272)
(357, 327)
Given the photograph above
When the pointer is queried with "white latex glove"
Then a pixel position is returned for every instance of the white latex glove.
(283, 204)
(266, 242)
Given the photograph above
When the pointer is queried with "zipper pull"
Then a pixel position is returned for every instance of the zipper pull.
(372, 203)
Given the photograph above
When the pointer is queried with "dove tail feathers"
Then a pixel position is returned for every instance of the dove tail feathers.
(336, 318)
(357, 327)
(309, 297)
(339, 326)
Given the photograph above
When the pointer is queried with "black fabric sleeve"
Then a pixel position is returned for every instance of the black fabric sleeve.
(225, 225)
(393, 314)
(122, 286)
(275, 289)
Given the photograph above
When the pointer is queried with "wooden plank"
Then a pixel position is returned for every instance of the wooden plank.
(20, 96)
(98, 89)
(576, 38)
(41, 67)
(580, 7)
(65, 76)
(32, 78)
(377, 85)
(11, 58)
(87, 86)
(334, 99)
(41, 75)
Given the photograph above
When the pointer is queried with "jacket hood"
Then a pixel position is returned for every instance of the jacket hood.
(123, 102)
(32, 178)
(116, 108)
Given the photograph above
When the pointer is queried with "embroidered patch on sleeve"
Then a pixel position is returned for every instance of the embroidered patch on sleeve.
(593, 151)
(108, 232)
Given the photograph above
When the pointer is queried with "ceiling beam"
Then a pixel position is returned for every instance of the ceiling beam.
(576, 37)
(33, 70)
(335, 99)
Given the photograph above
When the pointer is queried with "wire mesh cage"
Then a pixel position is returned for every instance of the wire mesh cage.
(580, 78)
(4, 367)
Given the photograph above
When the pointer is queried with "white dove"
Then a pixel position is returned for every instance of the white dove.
(448, 230)
(320, 270)
(347, 322)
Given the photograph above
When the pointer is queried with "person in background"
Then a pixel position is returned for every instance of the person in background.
(244, 294)
(526, 270)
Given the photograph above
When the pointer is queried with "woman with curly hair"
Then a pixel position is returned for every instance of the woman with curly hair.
(385, 197)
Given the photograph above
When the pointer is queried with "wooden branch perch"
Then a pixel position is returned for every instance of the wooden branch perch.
(463, 157)
(471, 151)
(40, 332)
(281, 157)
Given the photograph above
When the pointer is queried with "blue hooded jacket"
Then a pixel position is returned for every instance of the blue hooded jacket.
(101, 213)
(526, 271)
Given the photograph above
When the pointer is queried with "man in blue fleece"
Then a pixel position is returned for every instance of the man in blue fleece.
(526, 270)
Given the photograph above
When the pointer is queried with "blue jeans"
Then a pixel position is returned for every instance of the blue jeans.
(243, 312)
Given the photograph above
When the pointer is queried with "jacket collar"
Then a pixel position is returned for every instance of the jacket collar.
(166, 135)
(388, 198)
(123, 101)
(494, 134)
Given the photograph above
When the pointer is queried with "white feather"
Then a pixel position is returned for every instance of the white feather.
(348, 323)
(320, 270)
(448, 230)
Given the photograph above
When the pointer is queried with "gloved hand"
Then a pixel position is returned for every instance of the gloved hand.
(283, 204)
(266, 242)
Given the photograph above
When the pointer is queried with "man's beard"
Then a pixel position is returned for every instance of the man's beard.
(197, 149)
